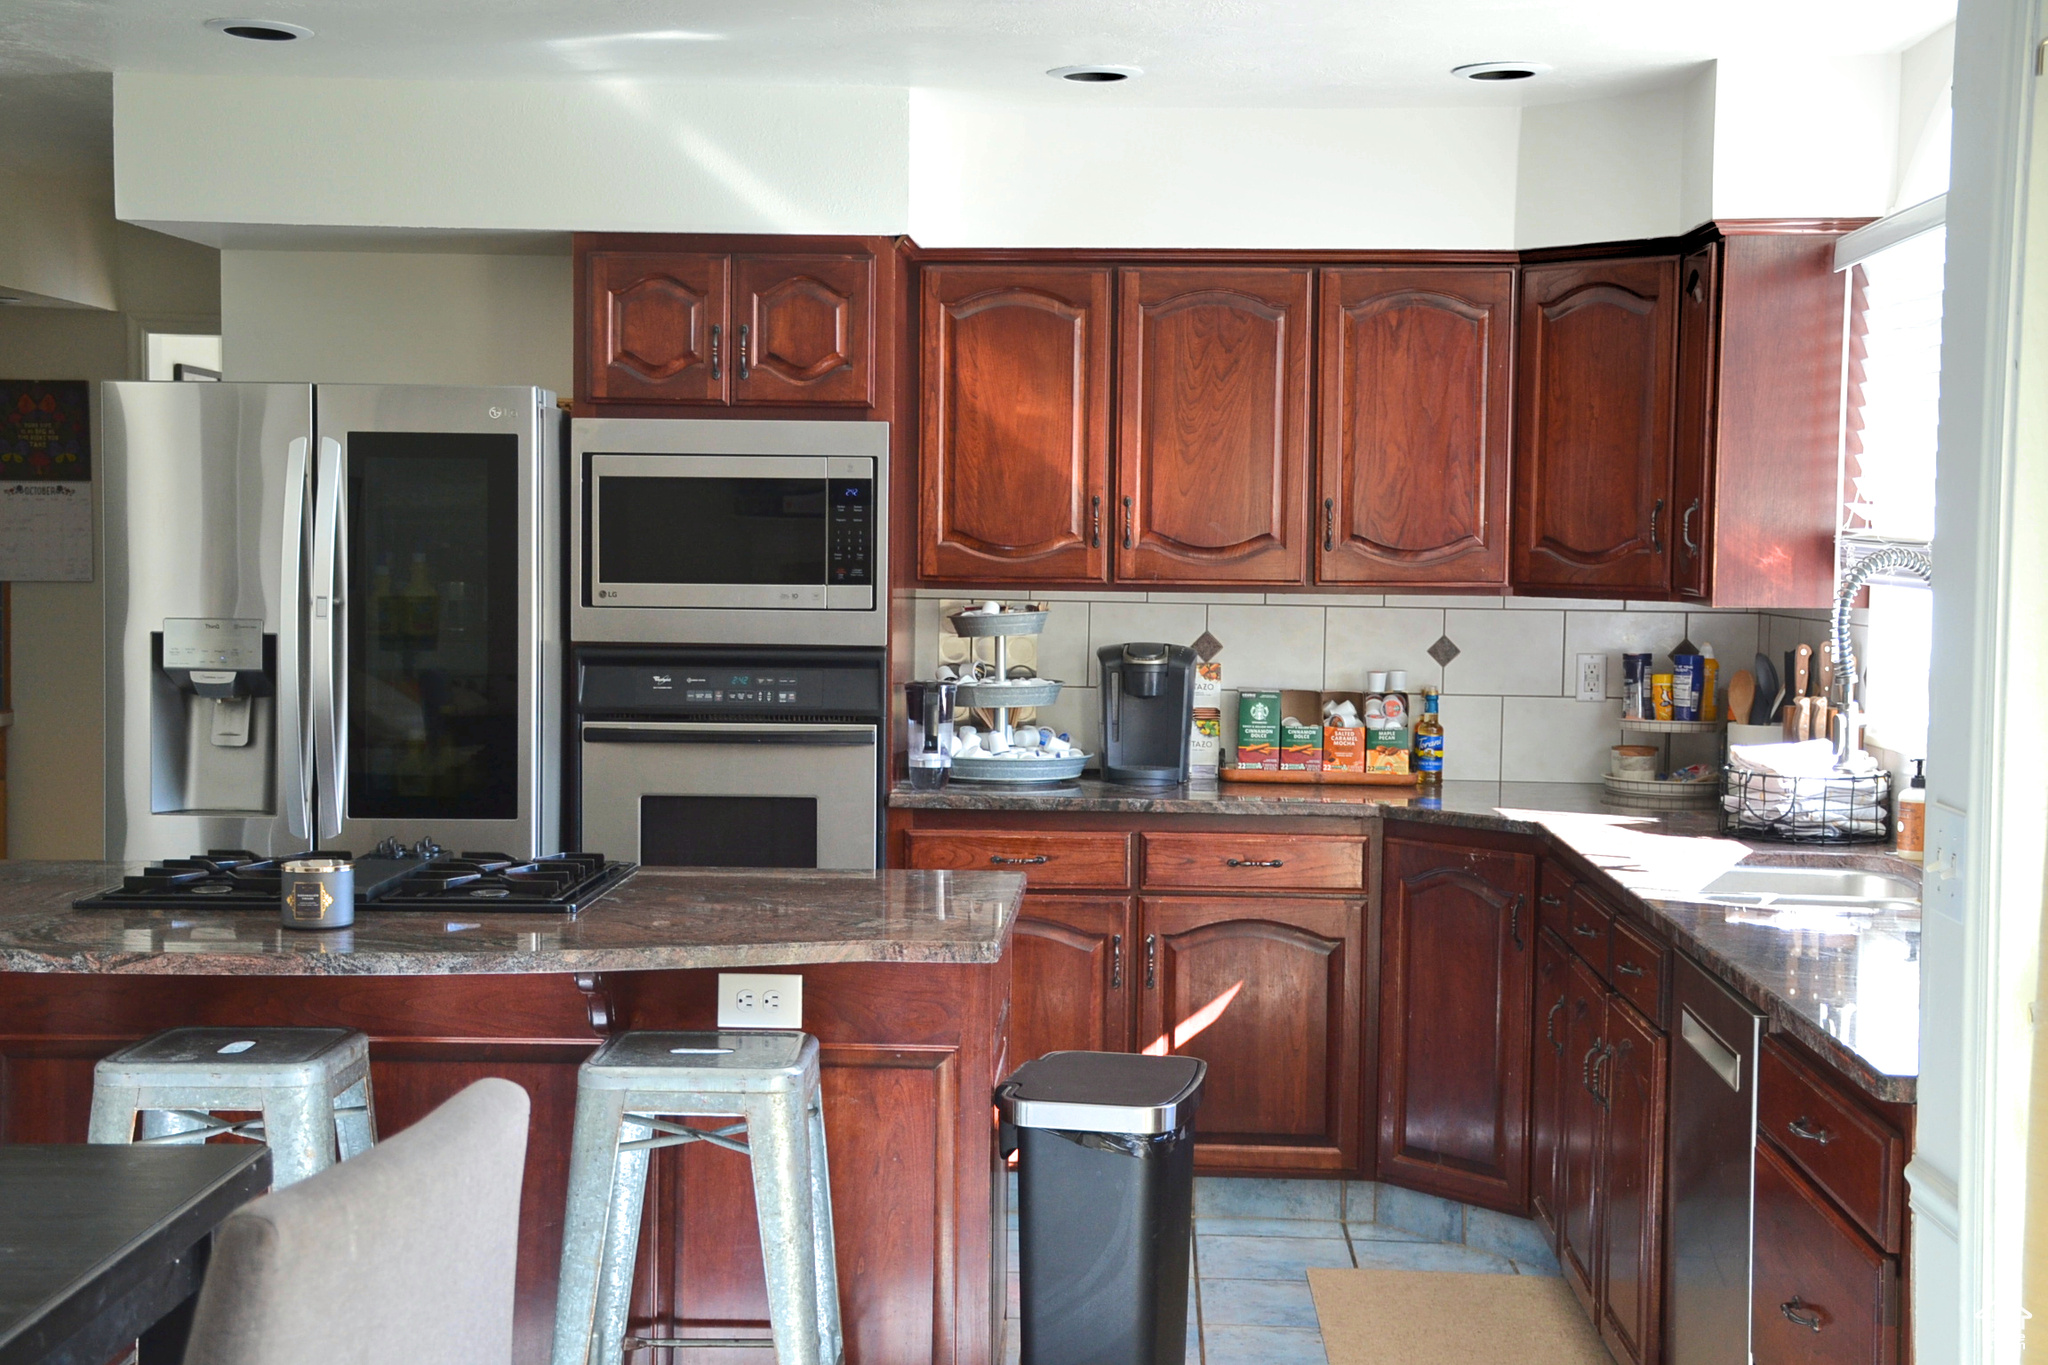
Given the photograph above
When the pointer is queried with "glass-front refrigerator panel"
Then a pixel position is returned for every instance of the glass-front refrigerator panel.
(433, 626)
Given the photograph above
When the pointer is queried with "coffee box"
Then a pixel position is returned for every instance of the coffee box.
(1343, 749)
(1301, 748)
(1258, 729)
(1386, 751)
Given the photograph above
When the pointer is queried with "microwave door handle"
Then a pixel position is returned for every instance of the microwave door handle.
(325, 660)
(291, 609)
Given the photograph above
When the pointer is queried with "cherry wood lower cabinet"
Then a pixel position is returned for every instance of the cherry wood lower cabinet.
(1547, 1076)
(910, 1056)
(1823, 1295)
(1071, 976)
(1457, 933)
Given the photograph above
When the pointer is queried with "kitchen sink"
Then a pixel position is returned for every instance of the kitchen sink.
(1841, 888)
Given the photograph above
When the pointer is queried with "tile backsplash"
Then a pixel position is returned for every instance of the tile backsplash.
(1508, 709)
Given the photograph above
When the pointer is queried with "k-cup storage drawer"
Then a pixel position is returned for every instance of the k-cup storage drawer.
(1848, 1151)
(1822, 1294)
(1064, 859)
(1250, 862)
(1636, 968)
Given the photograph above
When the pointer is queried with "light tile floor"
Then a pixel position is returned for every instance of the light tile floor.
(1256, 1240)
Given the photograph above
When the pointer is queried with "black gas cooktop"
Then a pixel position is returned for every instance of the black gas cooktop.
(423, 876)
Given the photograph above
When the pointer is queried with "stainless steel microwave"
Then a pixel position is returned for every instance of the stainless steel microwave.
(729, 532)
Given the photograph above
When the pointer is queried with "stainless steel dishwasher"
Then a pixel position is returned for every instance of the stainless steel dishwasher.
(1712, 1169)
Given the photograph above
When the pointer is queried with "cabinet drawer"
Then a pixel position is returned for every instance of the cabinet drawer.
(1588, 929)
(1637, 962)
(1250, 862)
(1823, 1295)
(1846, 1150)
(1554, 900)
(1045, 859)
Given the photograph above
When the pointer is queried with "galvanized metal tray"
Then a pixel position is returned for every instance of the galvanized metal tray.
(1019, 772)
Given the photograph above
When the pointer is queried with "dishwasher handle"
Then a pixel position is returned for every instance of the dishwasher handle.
(1725, 1061)
(792, 736)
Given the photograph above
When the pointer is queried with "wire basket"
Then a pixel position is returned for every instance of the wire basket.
(1836, 809)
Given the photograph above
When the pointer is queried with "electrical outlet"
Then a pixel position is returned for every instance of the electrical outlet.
(751, 1001)
(1592, 675)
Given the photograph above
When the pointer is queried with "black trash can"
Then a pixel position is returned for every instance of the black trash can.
(1105, 1204)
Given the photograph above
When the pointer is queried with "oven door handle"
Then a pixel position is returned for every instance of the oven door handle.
(808, 736)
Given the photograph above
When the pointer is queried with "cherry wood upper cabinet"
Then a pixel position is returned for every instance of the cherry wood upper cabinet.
(1699, 307)
(1213, 425)
(1015, 423)
(1596, 375)
(1457, 940)
(1415, 412)
(1267, 993)
(802, 331)
(1070, 976)
(654, 325)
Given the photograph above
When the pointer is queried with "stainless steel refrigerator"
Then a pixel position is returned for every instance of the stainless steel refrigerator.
(332, 617)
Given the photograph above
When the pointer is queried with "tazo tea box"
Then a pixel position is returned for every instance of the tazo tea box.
(1209, 686)
(1258, 729)
(1205, 746)
(1386, 751)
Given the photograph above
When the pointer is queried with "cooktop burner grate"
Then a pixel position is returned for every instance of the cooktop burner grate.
(424, 877)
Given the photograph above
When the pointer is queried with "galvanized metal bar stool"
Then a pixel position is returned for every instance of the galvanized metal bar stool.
(629, 1096)
(312, 1086)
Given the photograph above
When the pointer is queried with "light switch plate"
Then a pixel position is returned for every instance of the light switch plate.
(753, 1001)
(1592, 677)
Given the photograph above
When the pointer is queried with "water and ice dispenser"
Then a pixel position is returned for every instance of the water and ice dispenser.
(213, 716)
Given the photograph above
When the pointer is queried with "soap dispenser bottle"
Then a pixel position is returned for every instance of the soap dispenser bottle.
(1911, 825)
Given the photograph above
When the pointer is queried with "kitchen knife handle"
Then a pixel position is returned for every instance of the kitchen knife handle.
(1656, 523)
(716, 330)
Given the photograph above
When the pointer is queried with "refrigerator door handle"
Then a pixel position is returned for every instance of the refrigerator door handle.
(326, 660)
(291, 607)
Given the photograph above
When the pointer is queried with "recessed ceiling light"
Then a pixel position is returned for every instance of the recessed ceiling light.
(1094, 74)
(1500, 71)
(260, 30)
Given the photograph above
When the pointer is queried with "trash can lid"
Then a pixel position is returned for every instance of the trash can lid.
(1104, 1092)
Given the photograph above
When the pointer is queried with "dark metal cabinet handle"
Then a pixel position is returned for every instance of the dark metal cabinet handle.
(1515, 923)
(1116, 962)
(746, 369)
(1032, 861)
(1329, 523)
(1685, 528)
(1629, 969)
(1548, 900)
(1801, 1128)
(1656, 522)
(716, 333)
(1095, 523)
(1586, 1068)
(1550, 1027)
(1127, 523)
(1603, 1085)
(1791, 1309)
(1696, 287)
(1583, 932)
(1252, 862)
(1151, 962)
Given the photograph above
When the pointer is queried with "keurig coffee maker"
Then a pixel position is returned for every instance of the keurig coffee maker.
(1148, 706)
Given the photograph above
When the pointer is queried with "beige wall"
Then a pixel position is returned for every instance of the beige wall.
(54, 754)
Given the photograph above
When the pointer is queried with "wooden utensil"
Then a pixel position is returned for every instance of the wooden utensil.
(1741, 696)
(1802, 670)
(1825, 687)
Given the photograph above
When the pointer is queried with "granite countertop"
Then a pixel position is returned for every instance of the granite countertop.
(1846, 986)
(657, 920)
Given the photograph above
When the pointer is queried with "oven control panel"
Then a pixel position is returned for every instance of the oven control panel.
(738, 687)
(852, 545)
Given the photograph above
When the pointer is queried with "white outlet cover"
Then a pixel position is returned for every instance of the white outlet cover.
(752, 1000)
(1592, 677)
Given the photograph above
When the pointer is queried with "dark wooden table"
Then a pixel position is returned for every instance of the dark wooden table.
(100, 1246)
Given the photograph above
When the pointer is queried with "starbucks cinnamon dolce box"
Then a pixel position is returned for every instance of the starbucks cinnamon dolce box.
(1258, 730)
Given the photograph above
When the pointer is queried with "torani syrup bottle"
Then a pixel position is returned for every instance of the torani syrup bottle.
(1429, 742)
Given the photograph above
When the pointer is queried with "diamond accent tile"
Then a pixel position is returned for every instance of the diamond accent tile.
(1444, 650)
(1207, 647)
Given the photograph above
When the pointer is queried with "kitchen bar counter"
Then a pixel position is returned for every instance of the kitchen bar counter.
(1846, 986)
(658, 920)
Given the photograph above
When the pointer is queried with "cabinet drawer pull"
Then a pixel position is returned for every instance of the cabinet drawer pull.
(1550, 1027)
(1549, 900)
(1253, 862)
(716, 330)
(745, 370)
(1656, 525)
(1515, 923)
(1583, 932)
(1685, 528)
(1800, 1128)
(1127, 523)
(1151, 962)
(1116, 962)
(1791, 1309)
(1629, 969)
(1032, 861)
(1329, 523)
(1095, 523)
(1586, 1068)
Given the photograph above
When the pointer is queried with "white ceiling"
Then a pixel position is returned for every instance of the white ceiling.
(1284, 53)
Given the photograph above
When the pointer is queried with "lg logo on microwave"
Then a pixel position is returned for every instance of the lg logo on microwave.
(607, 592)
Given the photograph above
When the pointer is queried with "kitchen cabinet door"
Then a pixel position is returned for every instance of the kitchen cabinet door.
(1632, 1086)
(803, 331)
(655, 326)
(1581, 1136)
(1822, 1293)
(1548, 1076)
(1699, 318)
(1014, 413)
(1457, 968)
(1414, 413)
(1595, 380)
(1267, 993)
(1212, 425)
(1070, 963)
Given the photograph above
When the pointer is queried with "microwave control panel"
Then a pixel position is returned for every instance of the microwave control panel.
(852, 545)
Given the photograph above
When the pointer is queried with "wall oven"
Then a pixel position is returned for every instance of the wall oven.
(729, 532)
(732, 757)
